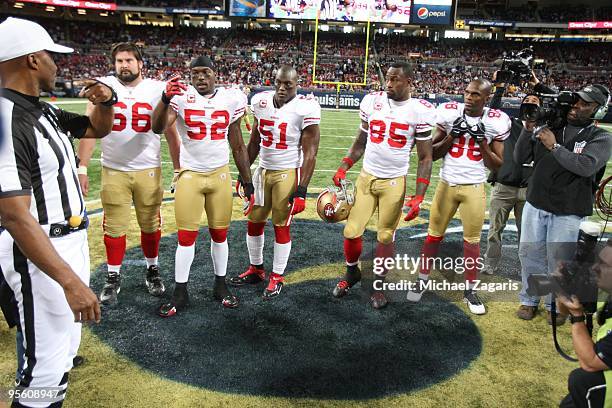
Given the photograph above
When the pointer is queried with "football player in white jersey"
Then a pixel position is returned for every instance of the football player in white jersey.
(131, 169)
(207, 118)
(391, 123)
(286, 137)
(470, 137)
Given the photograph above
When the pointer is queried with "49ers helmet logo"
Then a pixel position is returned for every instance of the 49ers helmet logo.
(329, 211)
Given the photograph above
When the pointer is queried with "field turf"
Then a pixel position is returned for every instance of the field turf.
(277, 352)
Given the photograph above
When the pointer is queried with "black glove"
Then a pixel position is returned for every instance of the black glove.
(248, 190)
(477, 131)
(460, 126)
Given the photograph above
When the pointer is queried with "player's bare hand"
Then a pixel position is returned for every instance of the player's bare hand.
(96, 91)
(174, 87)
(82, 301)
(84, 182)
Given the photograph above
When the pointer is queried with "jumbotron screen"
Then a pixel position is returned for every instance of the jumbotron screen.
(379, 11)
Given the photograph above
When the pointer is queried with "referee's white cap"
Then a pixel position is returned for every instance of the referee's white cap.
(19, 37)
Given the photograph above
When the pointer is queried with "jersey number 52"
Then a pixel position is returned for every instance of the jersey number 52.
(197, 128)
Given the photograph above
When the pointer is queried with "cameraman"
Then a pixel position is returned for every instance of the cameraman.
(587, 384)
(509, 183)
(567, 164)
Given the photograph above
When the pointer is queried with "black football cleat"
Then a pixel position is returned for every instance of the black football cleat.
(222, 294)
(178, 301)
(251, 276)
(153, 281)
(111, 288)
(352, 276)
(378, 300)
(275, 285)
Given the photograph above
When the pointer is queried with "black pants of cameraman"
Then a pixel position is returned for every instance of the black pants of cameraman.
(586, 389)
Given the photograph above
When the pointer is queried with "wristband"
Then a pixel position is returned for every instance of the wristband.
(422, 180)
(301, 191)
(577, 319)
(348, 161)
(82, 170)
(165, 99)
(113, 99)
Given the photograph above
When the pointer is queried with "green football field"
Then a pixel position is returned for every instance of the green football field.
(307, 349)
(338, 130)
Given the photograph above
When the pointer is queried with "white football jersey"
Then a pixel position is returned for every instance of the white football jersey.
(132, 145)
(463, 162)
(203, 124)
(392, 130)
(281, 129)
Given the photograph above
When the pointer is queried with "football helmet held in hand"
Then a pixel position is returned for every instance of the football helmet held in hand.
(334, 203)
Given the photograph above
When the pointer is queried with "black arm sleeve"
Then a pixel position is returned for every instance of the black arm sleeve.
(72, 123)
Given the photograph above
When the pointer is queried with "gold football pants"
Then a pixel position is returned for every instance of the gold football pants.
(470, 199)
(278, 187)
(385, 194)
(210, 191)
(120, 189)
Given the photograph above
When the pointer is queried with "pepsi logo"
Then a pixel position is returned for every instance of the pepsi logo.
(422, 13)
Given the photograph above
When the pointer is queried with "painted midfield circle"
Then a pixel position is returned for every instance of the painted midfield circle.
(303, 344)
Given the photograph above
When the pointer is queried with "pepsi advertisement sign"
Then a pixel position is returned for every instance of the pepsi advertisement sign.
(432, 12)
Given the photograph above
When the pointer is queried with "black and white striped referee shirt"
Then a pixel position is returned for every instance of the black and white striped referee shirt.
(37, 157)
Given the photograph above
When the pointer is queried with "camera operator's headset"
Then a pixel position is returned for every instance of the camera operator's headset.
(601, 112)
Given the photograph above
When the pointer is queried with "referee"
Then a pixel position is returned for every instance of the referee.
(43, 250)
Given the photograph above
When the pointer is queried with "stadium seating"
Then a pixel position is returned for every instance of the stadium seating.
(442, 66)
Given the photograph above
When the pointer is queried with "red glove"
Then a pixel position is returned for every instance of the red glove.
(341, 173)
(339, 176)
(412, 206)
(174, 87)
(297, 201)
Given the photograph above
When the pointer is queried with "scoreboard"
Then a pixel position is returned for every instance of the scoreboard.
(416, 12)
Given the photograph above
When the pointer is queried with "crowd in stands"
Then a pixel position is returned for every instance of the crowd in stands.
(251, 57)
(566, 13)
(526, 13)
